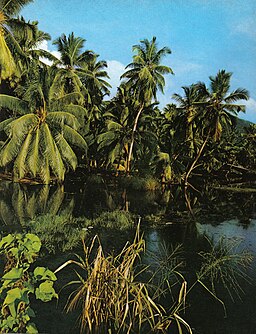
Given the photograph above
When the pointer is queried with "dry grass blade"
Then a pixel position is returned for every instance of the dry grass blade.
(111, 298)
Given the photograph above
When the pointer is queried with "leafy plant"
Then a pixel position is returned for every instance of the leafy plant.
(19, 283)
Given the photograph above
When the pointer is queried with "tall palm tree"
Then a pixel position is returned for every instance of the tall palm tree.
(217, 110)
(114, 139)
(29, 38)
(42, 131)
(8, 9)
(72, 58)
(188, 110)
(144, 76)
(94, 79)
(220, 104)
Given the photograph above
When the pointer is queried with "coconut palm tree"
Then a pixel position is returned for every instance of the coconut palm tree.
(8, 10)
(42, 131)
(30, 39)
(220, 104)
(94, 79)
(72, 59)
(114, 139)
(216, 110)
(144, 76)
(188, 111)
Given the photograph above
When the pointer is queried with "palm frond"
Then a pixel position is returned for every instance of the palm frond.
(66, 151)
(14, 104)
(74, 138)
(53, 154)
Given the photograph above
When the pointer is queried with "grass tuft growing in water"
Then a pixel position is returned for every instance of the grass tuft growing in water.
(113, 299)
(225, 263)
(140, 183)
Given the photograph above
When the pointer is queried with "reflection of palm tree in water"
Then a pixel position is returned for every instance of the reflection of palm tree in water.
(19, 203)
(125, 203)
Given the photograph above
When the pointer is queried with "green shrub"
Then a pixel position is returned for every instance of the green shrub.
(140, 183)
(19, 283)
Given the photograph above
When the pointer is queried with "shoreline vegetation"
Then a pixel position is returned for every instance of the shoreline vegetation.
(56, 119)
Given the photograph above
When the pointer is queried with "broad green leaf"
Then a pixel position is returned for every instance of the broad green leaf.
(46, 292)
(31, 329)
(13, 275)
(42, 273)
(6, 241)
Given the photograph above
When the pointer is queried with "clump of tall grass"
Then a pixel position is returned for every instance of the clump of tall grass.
(112, 298)
(151, 184)
(225, 263)
(116, 294)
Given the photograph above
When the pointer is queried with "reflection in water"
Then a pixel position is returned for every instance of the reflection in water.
(19, 203)
(216, 213)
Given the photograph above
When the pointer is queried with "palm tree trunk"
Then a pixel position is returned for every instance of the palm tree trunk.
(190, 171)
(196, 159)
(133, 139)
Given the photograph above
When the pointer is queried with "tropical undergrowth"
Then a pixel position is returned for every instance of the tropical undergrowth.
(122, 294)
(63, 233)
(21, 281)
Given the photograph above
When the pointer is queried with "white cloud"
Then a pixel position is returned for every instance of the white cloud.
(250, 114)
(44, 46)
(247, 26)
(115, 70)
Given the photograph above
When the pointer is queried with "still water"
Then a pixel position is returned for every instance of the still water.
(165, 223)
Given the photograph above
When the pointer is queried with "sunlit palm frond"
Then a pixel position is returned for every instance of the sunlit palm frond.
(20, 167)
(61, 118)
(53, 154)
(66, 151)
(74, 138)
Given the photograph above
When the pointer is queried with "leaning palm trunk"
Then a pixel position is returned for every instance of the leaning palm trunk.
(133, 139)
(193, 165)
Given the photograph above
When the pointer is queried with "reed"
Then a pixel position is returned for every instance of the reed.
(112, 298)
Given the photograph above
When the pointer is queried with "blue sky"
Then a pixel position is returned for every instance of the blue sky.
(204, 36)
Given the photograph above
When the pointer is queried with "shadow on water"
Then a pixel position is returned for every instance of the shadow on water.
(165, 221)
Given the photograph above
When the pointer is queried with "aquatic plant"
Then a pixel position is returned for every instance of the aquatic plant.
(112, 298)
(117, 219)
(224, 263)
(151, 184)
(58, 233)
(19, 283)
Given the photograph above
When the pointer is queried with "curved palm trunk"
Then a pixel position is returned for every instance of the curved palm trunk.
(186, 184)
(133, 139)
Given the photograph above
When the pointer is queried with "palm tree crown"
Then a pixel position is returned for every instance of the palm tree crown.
(145, 74)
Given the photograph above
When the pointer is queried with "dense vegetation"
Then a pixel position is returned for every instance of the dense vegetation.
(56, 117)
